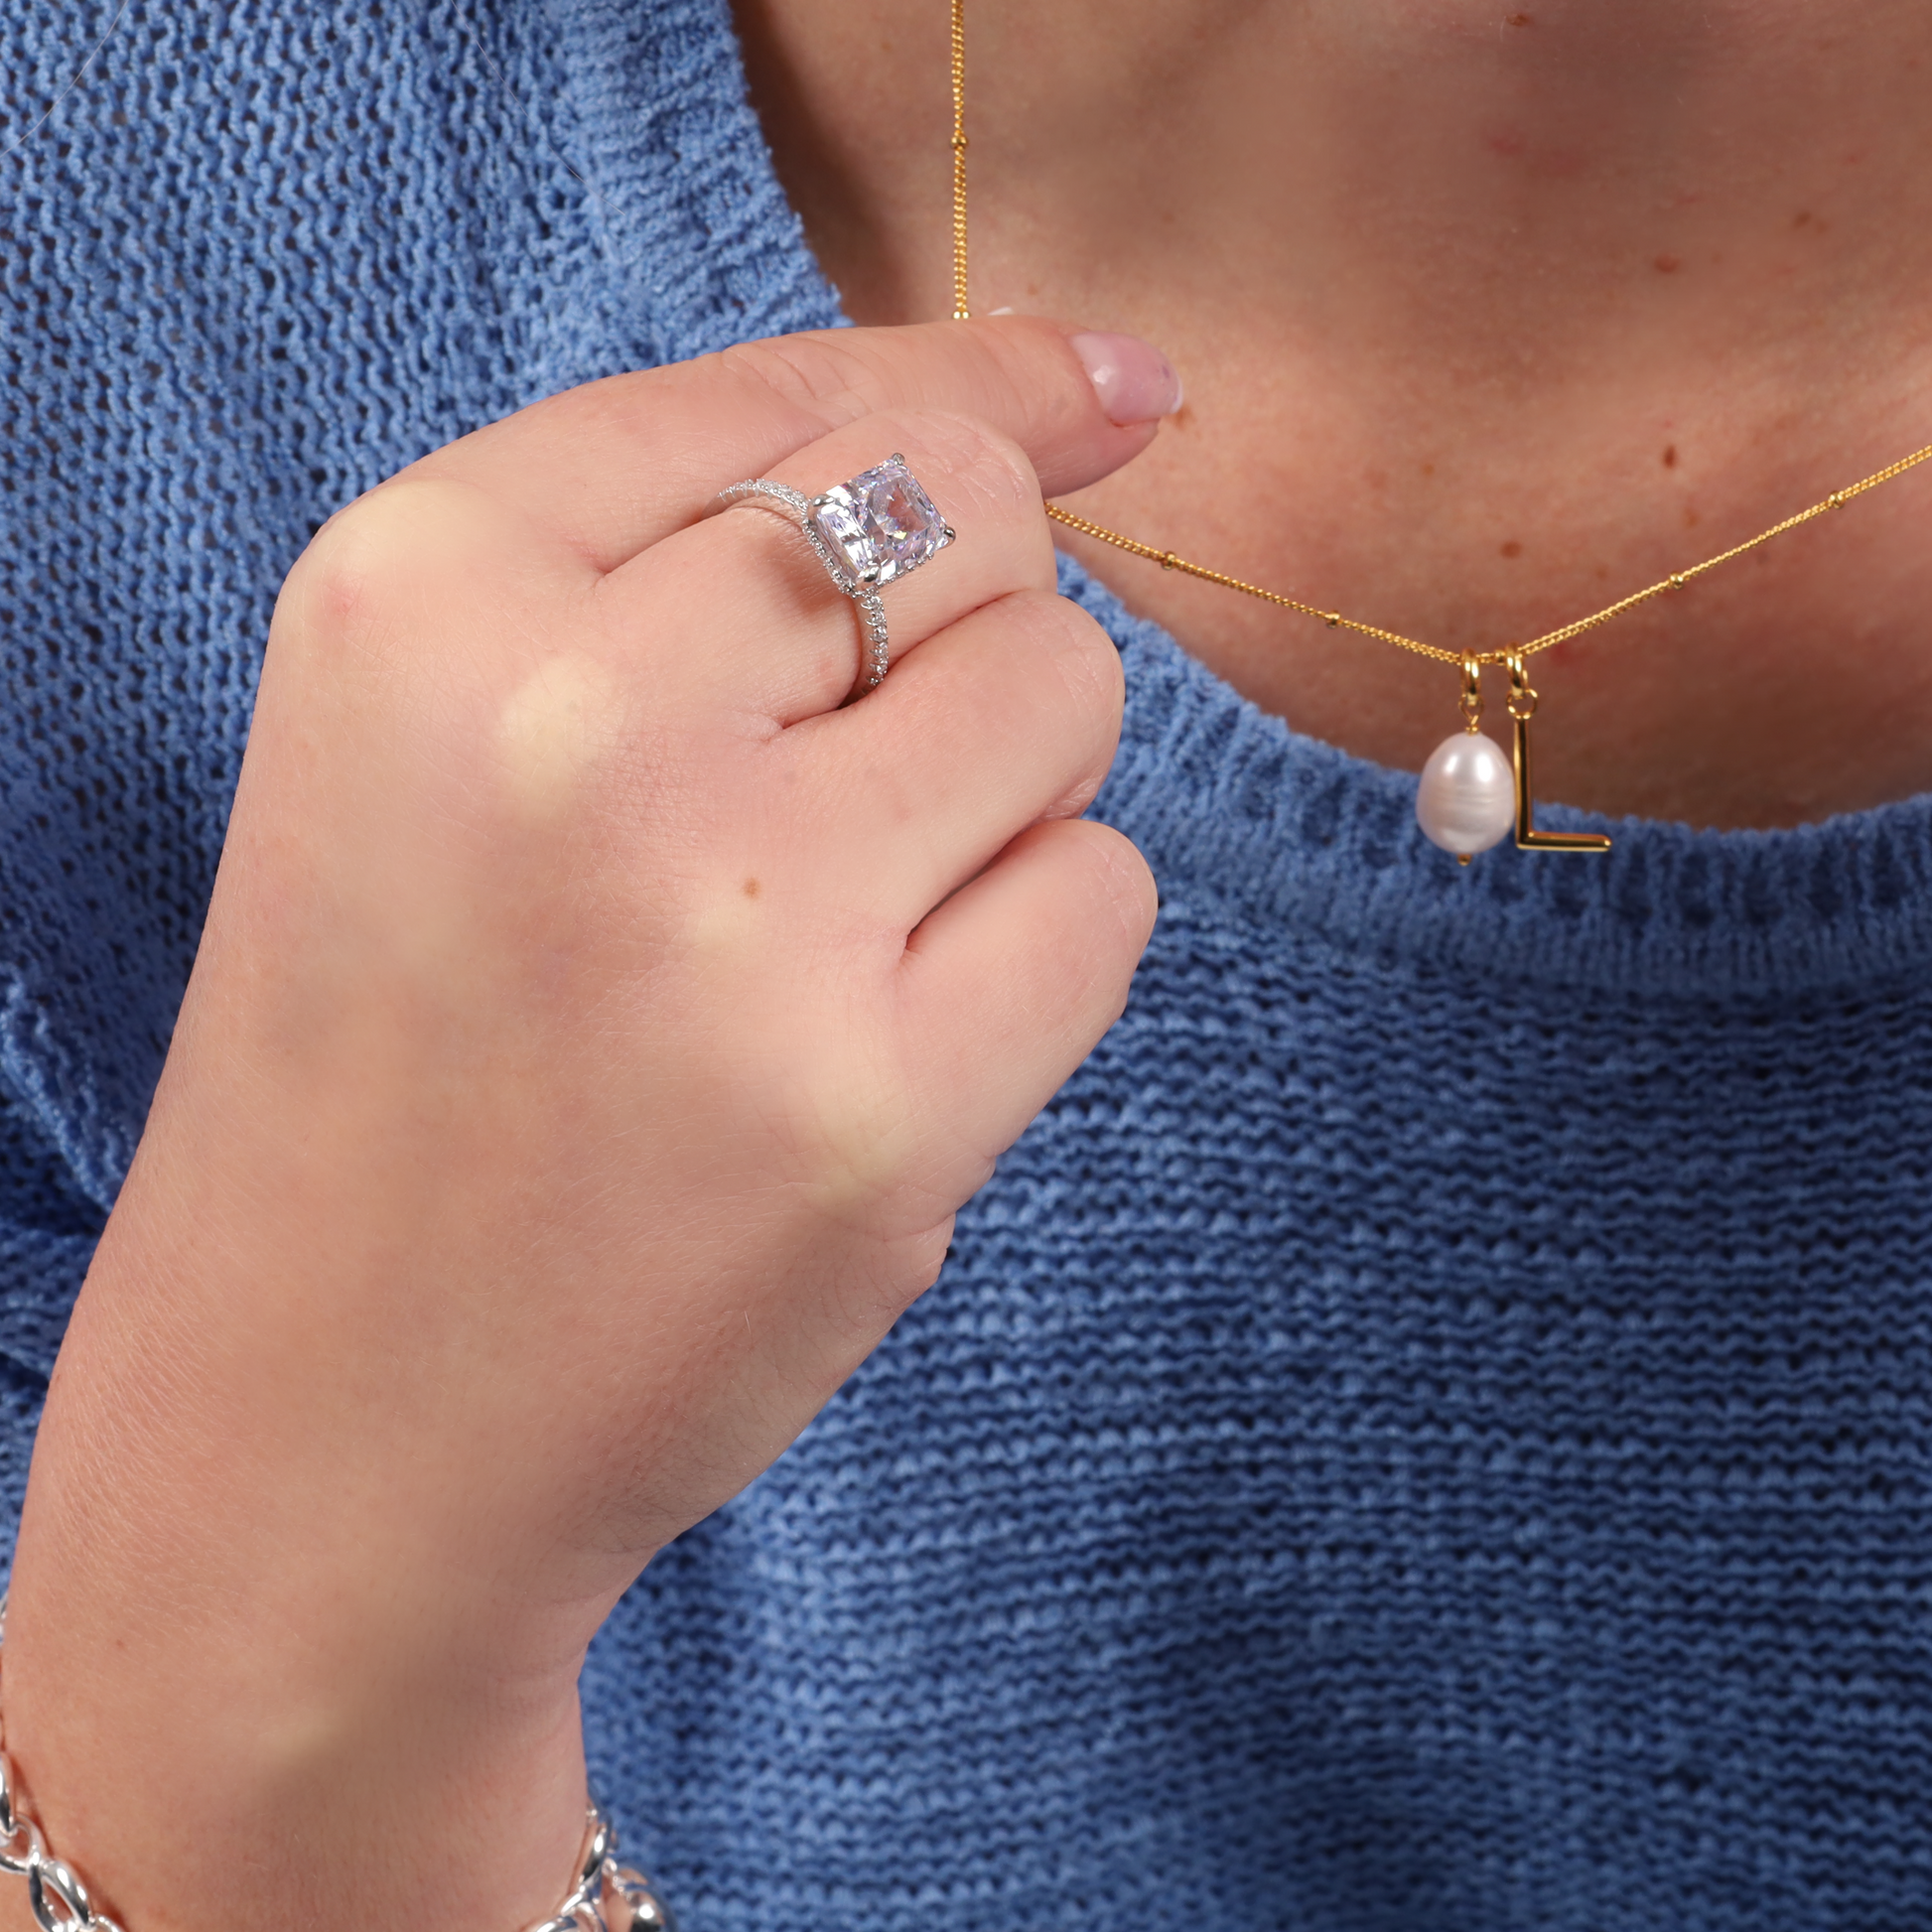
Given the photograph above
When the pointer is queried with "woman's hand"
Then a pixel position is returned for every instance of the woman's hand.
(595, 1032)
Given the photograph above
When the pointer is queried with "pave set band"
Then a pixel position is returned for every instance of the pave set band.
(879, 526)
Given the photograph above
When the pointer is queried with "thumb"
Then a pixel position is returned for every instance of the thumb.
(611, 467)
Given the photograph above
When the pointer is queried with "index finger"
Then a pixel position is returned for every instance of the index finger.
(609, 468)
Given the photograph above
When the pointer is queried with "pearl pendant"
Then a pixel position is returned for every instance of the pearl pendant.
(1467, 801)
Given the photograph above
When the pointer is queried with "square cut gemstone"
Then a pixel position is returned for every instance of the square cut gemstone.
(880, 524)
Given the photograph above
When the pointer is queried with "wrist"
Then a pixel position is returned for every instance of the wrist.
(216, 1667)
(171, 1754)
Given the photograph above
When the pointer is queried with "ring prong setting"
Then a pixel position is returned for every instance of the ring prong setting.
(880, 526)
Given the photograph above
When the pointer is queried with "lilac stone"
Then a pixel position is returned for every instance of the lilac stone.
(880, 524)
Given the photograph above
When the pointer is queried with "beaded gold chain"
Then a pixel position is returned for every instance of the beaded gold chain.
(1522, 697)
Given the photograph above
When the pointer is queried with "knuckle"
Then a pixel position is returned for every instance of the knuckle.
(385, 541)
(816, 372)
(405, 584)
(1110, 902)
(893, 1271)
(855, 1129)
(988, 472)
(1127, 880)
(1091, 667)
(1081, 657)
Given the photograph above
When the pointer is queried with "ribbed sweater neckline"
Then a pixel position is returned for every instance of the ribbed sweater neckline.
(1282, 830)
(1288, 831)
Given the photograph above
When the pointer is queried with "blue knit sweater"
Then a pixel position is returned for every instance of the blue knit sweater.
(1429, 1432)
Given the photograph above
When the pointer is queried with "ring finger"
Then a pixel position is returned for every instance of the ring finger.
(738, 613)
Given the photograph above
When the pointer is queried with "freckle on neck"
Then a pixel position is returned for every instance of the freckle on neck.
(750, 889)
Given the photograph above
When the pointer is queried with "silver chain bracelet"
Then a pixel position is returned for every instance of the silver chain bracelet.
(604, 1896)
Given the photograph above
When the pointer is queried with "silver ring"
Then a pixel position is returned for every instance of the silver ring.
(879, 526)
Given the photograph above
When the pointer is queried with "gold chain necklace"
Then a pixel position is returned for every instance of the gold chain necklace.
(1466, 779)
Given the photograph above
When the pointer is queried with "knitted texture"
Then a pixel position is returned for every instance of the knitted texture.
(1428, 1433)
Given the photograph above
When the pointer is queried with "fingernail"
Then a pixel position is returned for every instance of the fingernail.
(1132, 379)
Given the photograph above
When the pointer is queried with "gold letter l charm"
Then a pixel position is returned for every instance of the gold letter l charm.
(1522, 708)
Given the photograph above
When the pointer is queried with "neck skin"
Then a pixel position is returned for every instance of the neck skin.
(1486, 319)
